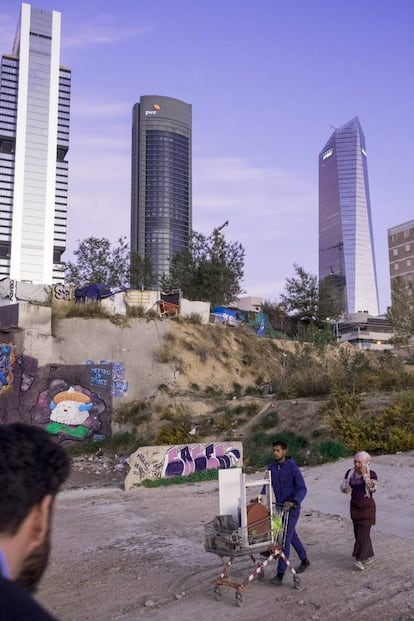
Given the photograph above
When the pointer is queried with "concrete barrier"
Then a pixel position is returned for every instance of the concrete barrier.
(161, 462)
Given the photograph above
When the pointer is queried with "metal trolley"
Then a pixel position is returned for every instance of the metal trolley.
(265, 536)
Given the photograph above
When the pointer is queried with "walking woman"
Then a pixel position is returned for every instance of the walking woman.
(361, 482)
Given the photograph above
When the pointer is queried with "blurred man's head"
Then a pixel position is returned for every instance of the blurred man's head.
(279, 450)
(32, 469)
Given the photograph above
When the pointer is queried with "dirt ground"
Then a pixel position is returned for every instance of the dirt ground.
(125, 556)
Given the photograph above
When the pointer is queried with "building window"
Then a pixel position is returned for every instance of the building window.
(407, 247)
(395, 252)
(408, 262)
(395, 266)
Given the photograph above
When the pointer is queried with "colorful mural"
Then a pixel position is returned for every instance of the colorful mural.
(7, 359)
(64, 399)
(156, 462)
(188, 459)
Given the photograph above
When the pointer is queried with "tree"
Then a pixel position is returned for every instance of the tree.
(331, 297)
(401, 311)
(301, 297)
(210, 269)
(97, 262)
(141, 274)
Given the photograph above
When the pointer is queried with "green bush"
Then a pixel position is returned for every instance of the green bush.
(133, 414)
(269, 420)
(329, 450)
(386, 431)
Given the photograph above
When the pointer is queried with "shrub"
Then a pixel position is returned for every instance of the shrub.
(133, 414)
(177, 429)
(386, 431)
(329, 450)
(194, 318)
(269, 420)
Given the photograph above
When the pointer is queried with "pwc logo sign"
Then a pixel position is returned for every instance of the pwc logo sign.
(155, 108)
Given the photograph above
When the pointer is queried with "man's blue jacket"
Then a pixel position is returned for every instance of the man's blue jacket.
(287, 482)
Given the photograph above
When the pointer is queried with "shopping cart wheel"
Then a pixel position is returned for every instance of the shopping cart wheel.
(261, 575)
(239, 599)
(217, 594)
(296, 582)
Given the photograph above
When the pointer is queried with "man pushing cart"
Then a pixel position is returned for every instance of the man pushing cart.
(256, 526)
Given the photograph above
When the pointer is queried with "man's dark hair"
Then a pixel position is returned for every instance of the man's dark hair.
(280, 443)
(32, 466)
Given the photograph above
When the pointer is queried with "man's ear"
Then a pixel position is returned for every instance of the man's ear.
(39, 521)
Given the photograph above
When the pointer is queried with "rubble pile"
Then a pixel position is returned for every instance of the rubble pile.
(101, 464)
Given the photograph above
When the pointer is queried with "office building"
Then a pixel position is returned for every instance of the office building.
(346, 250)
(34, 141)
(161, 180)
(401, 251)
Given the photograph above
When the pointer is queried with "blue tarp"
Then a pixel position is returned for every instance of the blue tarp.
(93, 291)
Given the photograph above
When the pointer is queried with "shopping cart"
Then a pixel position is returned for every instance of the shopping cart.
(264, 536)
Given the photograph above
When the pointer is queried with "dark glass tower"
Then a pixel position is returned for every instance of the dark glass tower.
(346, 250)
(161, 179)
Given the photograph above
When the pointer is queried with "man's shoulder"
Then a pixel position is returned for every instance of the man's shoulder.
(18, 605)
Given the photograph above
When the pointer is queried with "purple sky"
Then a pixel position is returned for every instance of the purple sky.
(266, 80)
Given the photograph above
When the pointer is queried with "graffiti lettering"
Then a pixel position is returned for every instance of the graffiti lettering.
(100, 377)
(188, 459)
(12, 290)
(61, 292)
(115, 375)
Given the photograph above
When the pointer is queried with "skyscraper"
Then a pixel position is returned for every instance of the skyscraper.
(161, 179)
(346, 251)
(34, 141)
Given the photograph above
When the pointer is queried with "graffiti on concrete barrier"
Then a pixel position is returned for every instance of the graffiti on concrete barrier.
(182, 461)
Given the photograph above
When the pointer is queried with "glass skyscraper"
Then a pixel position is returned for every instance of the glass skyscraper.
(346, 250)
(34, 141)
(161, 180)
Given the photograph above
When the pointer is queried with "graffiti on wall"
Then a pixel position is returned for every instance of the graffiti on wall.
(7, 359)
(62, 292)
(113, 374)
(188, 459)
(69, 411)
(156, 462)
(63, 399)
(28, 370)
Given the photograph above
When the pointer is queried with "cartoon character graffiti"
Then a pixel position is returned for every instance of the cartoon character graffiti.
(69, 410)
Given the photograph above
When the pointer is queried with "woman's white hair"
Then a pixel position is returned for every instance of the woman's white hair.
(363, 456)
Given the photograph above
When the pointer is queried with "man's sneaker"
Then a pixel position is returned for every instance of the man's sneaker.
(359, 565)
(277, 580)
(304, 565)
(369, 560)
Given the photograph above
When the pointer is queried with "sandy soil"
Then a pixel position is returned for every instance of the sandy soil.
(121, 556)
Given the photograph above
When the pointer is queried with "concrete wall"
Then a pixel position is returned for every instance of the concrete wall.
(160, 462)
(100, 361)
(188, 307)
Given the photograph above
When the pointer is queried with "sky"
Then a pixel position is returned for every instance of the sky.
(268, 81)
